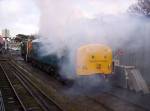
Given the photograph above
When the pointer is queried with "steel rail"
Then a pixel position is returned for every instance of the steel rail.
(13, 88)
(101, 104)
(2, 106)
(120, 99)
(125, 100)
(40, 94)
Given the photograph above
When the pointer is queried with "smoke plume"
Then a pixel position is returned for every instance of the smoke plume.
(69, 23)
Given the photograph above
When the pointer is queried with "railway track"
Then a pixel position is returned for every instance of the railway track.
(2, 107)
(9, 100)
(112, 102)
(30, 97)
(115, 103)
(138, 106)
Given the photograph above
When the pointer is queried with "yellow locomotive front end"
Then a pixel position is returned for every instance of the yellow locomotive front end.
(94, 59)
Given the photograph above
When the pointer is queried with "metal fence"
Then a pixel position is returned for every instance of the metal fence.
(138, 54)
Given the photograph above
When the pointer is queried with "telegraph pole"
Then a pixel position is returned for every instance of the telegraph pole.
(6, 35)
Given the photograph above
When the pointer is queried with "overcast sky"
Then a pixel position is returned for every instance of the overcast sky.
(20, 16)
(23, 16)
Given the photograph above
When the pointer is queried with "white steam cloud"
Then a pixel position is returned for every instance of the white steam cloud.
(73, 23)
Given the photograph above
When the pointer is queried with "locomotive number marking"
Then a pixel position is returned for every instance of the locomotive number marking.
(98, 66)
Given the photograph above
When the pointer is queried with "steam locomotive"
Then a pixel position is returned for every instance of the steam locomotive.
(91, 59)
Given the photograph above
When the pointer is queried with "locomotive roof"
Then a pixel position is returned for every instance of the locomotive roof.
(36, 40)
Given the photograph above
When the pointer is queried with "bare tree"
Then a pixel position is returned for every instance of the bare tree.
(142, 7)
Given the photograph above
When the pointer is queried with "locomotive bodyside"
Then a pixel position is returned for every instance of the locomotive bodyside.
(91, 59)
(36, 54)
